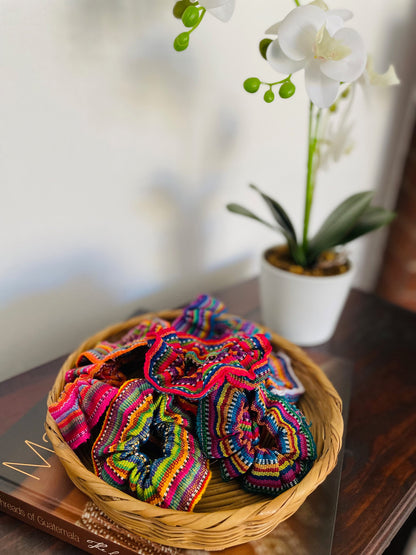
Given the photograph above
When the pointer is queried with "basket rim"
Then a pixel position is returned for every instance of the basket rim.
(266, 508)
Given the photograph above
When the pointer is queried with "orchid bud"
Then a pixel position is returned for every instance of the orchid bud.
(287, 89)
(181, 42)
(252, 84)
(190, 16)
(268, 96)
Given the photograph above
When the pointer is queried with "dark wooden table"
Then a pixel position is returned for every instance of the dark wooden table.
(378, 484)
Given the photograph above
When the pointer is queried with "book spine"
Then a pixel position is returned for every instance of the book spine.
(61, 529)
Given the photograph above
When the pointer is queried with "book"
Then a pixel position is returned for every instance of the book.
(35, 488)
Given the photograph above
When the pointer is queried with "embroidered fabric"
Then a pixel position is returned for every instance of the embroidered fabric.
(145, 447)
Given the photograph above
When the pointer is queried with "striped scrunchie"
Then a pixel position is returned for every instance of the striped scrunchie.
(289, 458)
(232, 425)
(178, 363)
(206, 318)
(145, 448)
(79, 408)
(110, 362)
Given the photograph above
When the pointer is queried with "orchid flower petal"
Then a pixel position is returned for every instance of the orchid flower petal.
(321, 89)
(345, 15)
(221, 9)
(350, 67)
(320, 4)
(334, 23)
(211, 4)
(385, 79)
(298, 30)
(280, 62)
(224, 13)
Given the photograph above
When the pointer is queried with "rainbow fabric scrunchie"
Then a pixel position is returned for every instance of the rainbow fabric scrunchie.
(79, 408)
(145, 447)
(178, 363)
(206, 318)
(109, 362)
(226, 430)
(230, 427)
(290, 457)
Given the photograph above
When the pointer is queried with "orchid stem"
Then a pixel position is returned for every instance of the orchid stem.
(313, 133)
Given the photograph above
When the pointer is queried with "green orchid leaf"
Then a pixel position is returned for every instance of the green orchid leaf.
(373, 218)
(278, 213)
(339, 223)
(297, 253)
(238, 209)
(295, 249)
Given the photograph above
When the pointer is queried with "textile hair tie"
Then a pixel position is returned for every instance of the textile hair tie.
(283, 380)
(80, 407)
(226, 430)
(178, 363)
(110, 362)
(293, 451)
(206, 318)
(145, 448)
(141, 330)
(232, 429)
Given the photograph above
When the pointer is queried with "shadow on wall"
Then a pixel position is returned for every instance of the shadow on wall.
(43, 325)
(179, 292)
(50, 306)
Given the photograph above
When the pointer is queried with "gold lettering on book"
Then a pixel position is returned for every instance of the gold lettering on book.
(34, 447)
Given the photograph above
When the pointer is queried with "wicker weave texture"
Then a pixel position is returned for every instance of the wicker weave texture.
(226, 515)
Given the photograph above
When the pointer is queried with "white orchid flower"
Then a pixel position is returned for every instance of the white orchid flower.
(221, 9)
(315, 39)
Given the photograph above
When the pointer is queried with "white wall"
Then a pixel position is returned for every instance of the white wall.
(117, 156)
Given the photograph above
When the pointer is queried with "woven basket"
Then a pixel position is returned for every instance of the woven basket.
(226, 515)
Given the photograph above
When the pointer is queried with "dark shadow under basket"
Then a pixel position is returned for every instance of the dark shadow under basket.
(226, 515)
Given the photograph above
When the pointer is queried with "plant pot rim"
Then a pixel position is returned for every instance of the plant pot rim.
(301, 277)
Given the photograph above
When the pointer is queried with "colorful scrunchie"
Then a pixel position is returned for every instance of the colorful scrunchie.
(226, 430)
(143, 328)
(206, 318)
(178, 363)
(282, 379)
(109, 362)
(290, 457)
(80, 407)
(231, 426)
(145, 447)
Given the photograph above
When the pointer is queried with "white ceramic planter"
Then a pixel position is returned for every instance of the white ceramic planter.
(303, 309)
